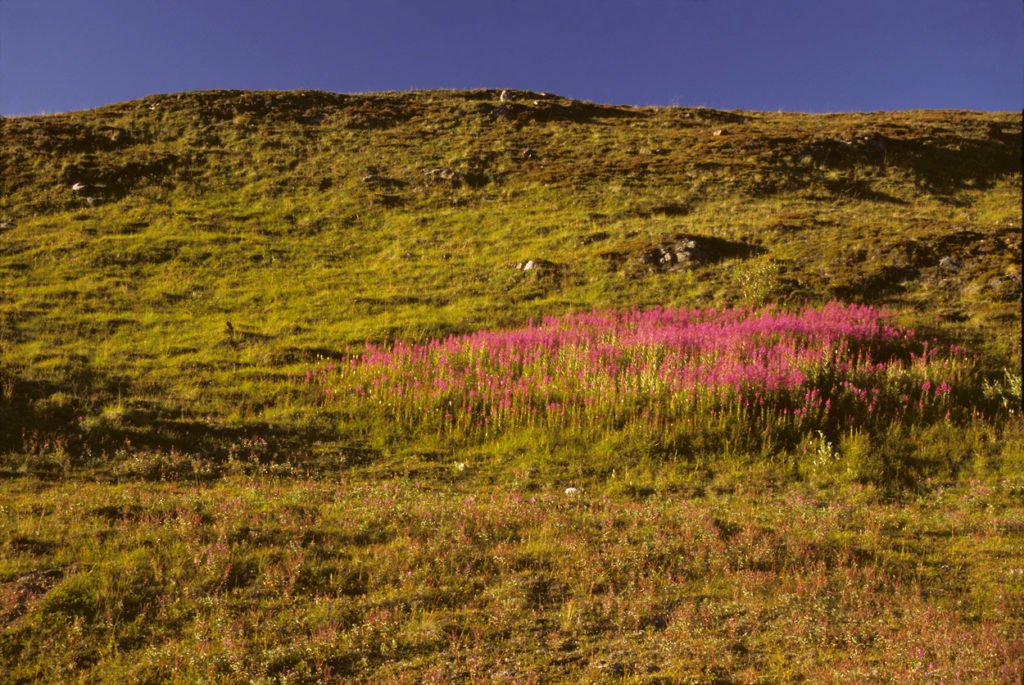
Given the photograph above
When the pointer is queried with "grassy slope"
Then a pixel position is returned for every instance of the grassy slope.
(307, 221)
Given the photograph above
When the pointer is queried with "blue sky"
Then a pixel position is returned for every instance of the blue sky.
(791, 55)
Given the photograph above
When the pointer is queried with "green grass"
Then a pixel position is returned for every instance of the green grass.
(404, 580)
(177, 505)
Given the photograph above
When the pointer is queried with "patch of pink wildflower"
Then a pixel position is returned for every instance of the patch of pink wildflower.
(608, 369)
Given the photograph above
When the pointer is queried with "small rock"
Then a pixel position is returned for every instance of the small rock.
(652, 256)
(719, 132)
(444, 175)
(6, 225)
(687, 250)
(612, 667)
(90, 201)
(677, 256)
(572, 492)
(536, 265)
(951, 263)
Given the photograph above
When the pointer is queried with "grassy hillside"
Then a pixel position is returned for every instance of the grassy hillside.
(189, 282)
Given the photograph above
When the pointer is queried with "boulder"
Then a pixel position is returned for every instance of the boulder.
(683, 253)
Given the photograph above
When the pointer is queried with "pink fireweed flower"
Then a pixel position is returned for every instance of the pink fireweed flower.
(656, 367)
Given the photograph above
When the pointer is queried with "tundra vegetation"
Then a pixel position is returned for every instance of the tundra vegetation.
(455, 386)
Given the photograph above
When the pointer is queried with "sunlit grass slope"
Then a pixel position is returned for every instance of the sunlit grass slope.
(292, 385)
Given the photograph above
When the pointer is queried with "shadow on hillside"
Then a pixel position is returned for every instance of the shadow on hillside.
(859, 190)
(115, 181)
(945, 167)
(68, 138)
(23, 411)
(46, 427)
(942, 166)
(874, 286)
